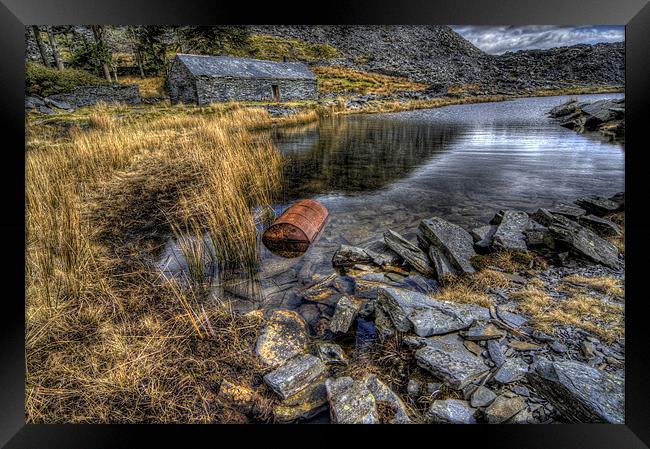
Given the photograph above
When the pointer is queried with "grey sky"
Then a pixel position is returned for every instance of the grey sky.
(499, 39)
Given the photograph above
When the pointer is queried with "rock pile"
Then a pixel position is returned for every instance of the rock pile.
(604, 116)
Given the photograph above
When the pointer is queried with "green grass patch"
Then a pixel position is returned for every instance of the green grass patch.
(41, 80)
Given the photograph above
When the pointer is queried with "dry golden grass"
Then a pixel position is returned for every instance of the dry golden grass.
(149, 87)
(107, 339)
(336, 79)
(603, 284)
(593, 314)
(509, 261)
(472, 288)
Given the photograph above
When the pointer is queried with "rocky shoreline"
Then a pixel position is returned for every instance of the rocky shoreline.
(461, 359)
(604, 116)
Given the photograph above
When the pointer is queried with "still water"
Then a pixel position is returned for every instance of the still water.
(462, 163)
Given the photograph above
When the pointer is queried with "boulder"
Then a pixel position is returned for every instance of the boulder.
(597, 205)
(600, 226)
(412, 311)
(295, 375)
(509, 234)
(580, 392)
(284, 337)
(385, 395)
(409, 252)
(451, 240)
(447, 359)
(345, 313)
(347, 256)
(451, 411)
(511, 371)
(503, 408)
(351, 402)
(482, 397)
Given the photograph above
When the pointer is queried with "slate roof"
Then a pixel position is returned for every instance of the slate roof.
(228, 66)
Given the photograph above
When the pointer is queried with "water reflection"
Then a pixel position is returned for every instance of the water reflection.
(356, 154)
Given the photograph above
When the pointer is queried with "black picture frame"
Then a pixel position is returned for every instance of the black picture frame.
(15, 14)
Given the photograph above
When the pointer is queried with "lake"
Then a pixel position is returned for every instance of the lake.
(462, 163)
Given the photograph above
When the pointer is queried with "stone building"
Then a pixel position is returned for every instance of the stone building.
(206, 79)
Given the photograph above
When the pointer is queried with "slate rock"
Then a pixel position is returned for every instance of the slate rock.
(426, 316)
(597, 205)
(482, 331)
(619, 198)
(284, 337)
(304, 405)
(409, 252)
(482, 397)
(345, 313)
(509, 234)
(511, 319)
(383, 394)
(511, 371)
(381, 254)
(580, 392)
(440, 263)
(600, 226)
(483, 238)
(348, 255)
(448, 360)
(295, 375)
(451, 411)
(351, 402)
(568, 211)
(451, 240)
(495, 352)
(331, 354)
(503, 408)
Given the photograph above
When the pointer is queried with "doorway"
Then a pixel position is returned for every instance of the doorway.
(276, 92)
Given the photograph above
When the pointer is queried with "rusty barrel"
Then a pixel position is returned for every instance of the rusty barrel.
(297, 227)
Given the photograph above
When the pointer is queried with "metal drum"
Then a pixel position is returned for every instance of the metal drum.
(298, 226)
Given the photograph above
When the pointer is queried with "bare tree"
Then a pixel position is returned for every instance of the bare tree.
(39, 43)
(55, 51)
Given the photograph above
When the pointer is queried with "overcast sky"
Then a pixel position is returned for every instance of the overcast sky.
(499, 39)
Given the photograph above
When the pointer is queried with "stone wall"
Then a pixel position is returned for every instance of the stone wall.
(180, 84)
(225, 89)
(90, 95)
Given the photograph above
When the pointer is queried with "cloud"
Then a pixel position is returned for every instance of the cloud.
(500, 39)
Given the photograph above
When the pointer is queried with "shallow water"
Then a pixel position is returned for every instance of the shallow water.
(462, 163)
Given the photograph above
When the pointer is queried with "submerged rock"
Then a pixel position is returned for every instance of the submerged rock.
(409, 252)
(450, 239)
(447, 359)
(426, 316)
(580, 392)
(451, 411)
(348, 255)
(284, 337)
(509, 234)
(351, 402)
(295, 375)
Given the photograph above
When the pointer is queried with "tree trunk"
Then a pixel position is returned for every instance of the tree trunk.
(39, 43)
(138, 60)
(55, 51)
(97, 32)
